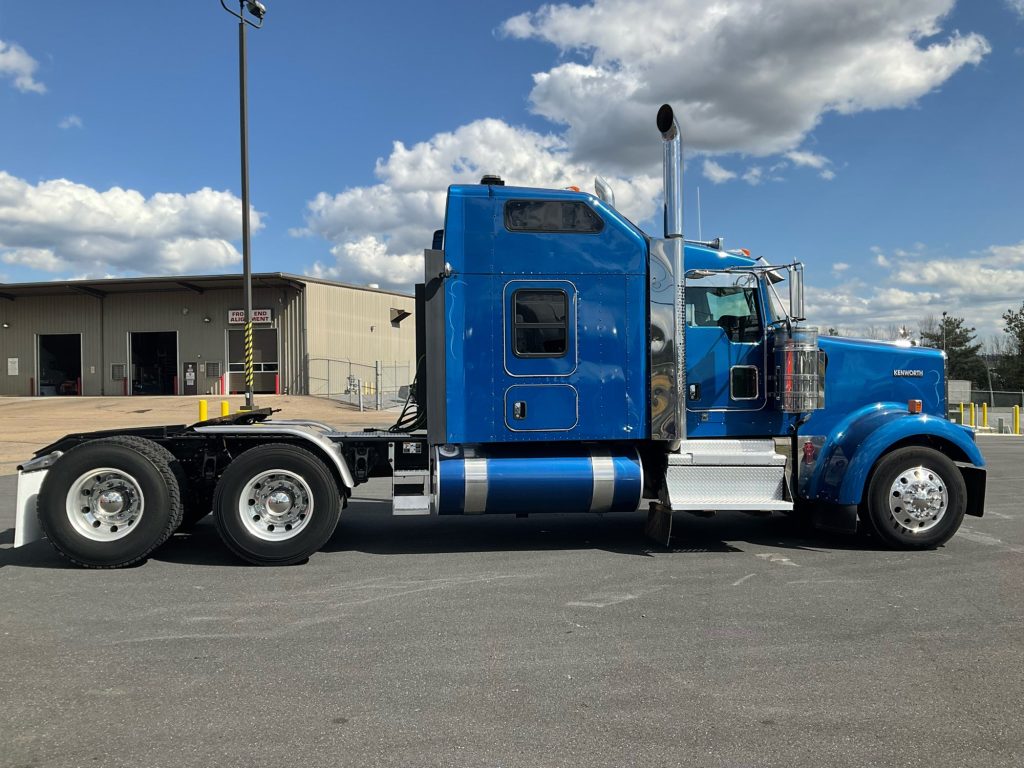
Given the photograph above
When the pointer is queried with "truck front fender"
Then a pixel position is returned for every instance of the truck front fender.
(857, 442)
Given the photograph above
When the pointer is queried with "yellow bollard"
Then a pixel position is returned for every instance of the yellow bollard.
(984, 415)
(962, 414)
(225, 408)
(974, 415)
(1016, 419)
(204, 412)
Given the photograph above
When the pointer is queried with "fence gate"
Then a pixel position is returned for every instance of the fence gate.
(373, 386)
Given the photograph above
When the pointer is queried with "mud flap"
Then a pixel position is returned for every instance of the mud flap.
(974, 479)
(26, 521)
(659, 523)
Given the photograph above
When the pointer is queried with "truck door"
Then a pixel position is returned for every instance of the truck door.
(725, 342)
(540, 356)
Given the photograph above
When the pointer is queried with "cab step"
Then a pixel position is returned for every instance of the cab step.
(726, 475)
(410, 493)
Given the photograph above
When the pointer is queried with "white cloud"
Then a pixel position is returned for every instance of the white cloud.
(379, 232)
(1016, 6)
(71, 121)
(750, 77)
(754, 175)
(840, 266)
(745, 77)
(16, 64)
(907, 288)
(807, 159)
(715, 173)
(57, 226)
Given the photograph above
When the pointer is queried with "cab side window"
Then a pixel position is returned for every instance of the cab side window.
(551, 216)
(540, 323)
(734, 309)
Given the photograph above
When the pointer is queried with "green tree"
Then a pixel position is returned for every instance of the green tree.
(1010, 367)
(961, 349)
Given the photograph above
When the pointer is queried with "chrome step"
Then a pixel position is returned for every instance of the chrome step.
(726, 475)
(410, 493)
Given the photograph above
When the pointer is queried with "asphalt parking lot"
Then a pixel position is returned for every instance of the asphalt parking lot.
(547, 641)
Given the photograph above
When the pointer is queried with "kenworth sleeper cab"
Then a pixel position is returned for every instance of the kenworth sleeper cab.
(567, 362)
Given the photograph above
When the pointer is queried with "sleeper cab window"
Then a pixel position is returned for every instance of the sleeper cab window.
(540, 326)
(551, 216)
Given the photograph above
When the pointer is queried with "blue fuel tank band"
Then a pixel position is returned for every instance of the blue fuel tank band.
(566, 479)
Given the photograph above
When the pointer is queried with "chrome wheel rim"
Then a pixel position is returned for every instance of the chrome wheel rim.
(918, 499)
(275, 505)
(105, 504)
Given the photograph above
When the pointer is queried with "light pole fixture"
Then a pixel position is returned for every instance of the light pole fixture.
(250, 13)
(943, 331)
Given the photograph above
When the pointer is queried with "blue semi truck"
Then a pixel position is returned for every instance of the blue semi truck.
(568, 362)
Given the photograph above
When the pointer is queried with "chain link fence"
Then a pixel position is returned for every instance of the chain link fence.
(368, 386)
(996, 398)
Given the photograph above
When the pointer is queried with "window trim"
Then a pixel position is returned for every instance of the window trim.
(509, 228)
(757, 382)
(516, 324)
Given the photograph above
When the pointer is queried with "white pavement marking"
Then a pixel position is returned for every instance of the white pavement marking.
(989, 541)
(775, 557)
(740, 581)
(605, 599)
(601, 601)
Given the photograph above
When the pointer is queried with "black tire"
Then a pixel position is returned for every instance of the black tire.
(156, 475)
(265, 537)
(899, 526)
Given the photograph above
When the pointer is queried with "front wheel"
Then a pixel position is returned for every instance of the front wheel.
(276, 505)
(916, 499)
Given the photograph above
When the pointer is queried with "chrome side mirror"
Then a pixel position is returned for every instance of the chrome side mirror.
(796, 292)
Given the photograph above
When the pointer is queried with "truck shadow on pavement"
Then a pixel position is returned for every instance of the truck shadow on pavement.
(367, 526)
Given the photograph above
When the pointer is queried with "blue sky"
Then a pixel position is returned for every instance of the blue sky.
(876, 140)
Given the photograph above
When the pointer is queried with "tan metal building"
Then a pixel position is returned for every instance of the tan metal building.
(183, 335)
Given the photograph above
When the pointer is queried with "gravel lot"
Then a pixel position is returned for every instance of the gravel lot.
(547, 641)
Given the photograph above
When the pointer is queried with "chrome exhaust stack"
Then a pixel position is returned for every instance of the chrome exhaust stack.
(672, 143)
(667, 301)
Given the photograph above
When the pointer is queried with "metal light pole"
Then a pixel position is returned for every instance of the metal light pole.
(258, 11)
(943, 331)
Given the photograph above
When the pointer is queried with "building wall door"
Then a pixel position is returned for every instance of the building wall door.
(153, 362)
(60, 364)
(265, 356)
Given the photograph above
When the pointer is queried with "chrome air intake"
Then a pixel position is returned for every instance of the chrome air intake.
(667, 301)
(799, 370)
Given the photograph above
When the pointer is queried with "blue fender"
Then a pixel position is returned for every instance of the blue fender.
(857, 442)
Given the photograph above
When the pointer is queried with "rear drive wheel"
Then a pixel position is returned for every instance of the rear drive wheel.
(916, 499)
(276, 505)
(110, 502)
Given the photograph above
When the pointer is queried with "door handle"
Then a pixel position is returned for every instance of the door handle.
(519, 409)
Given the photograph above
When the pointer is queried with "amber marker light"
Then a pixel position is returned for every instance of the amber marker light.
(914, 406)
